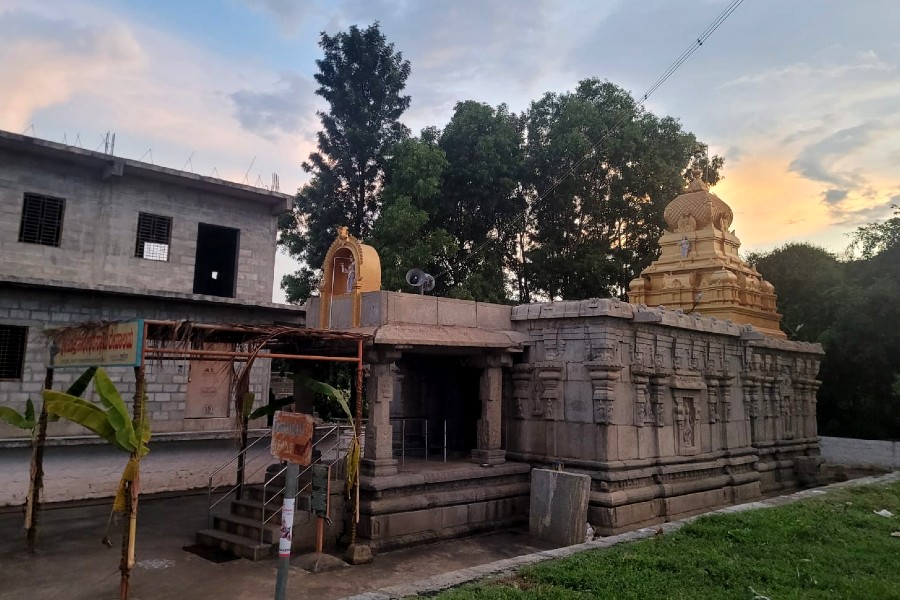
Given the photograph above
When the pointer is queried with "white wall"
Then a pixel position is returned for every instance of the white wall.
(860, 453)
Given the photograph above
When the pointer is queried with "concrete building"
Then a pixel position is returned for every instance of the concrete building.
(86, 236)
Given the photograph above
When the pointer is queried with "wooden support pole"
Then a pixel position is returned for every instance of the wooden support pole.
(36, 483)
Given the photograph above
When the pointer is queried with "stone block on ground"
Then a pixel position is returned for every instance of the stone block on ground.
(559, 503)
(358, 554)
(319, 563)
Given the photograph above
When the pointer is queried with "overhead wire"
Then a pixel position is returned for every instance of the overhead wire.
(595, 146)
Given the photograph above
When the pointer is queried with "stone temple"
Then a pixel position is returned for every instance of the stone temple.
(687, 399)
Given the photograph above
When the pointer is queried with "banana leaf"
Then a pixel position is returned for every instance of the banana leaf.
(78, 388)
(116, 409)
(247, 405)
(15, 418)
(271, 408)
(339, 396)
(87, 415)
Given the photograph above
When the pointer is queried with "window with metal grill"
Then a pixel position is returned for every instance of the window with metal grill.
(12, 351)
(42, 218)
(154, 233)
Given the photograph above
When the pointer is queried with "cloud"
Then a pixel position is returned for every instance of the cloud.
(865, 62)
(866, 215)
(834, 196)
(289, 15)
(818, 161)
(287, 109)
(46, 61)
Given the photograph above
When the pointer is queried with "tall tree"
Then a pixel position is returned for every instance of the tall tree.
(454, 193)
(850, 307)
(404, 234)
(599, 170)
(480, 196)
(362, 78)
(806, 279)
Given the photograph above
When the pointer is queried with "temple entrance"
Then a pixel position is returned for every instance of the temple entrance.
(436, 407)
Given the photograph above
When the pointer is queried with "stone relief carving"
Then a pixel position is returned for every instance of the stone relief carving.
(603, 373)
(686, 421)
(547, 405)
(521, 377)
(643, 411)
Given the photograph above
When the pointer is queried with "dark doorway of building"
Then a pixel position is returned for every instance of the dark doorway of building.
(442, 391)
(215, 271)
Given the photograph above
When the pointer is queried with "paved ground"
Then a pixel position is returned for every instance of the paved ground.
(73, 565)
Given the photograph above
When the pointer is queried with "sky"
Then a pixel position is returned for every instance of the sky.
(801, 97)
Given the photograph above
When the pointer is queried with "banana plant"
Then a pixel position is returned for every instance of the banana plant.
(111, 421)
(37, 426)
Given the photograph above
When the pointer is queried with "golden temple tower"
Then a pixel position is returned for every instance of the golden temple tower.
(699, 268)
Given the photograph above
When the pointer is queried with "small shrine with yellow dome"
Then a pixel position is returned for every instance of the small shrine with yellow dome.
(350, 268)
(699, 268)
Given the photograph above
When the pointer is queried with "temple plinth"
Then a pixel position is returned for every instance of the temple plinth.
(699, 268)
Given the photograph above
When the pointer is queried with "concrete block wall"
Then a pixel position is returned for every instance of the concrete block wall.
(849, 452)
(100, 223)
(93, 471)
(166, 382)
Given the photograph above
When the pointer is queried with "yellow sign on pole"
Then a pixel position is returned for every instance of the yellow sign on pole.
(110, 345)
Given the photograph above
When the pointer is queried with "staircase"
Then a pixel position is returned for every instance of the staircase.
(250, 526)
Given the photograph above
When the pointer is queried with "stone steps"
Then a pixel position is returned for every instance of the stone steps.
(249, 528)
(238, 545)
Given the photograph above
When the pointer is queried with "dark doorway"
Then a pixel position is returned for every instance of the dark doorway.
(444, 391)
(215, 271)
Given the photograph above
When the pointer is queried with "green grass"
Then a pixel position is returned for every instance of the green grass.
(832, 546)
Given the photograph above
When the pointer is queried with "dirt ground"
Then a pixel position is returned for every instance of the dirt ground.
(72, 564)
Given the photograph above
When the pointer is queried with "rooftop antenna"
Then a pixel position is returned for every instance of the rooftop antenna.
(150, 152)
(215, 173)
(190, 158)
(247, 174)
(31, 128)
(109, 143)
(77, 141)
(276, 183)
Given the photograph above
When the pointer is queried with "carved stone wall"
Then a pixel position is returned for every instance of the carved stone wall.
(668, 413)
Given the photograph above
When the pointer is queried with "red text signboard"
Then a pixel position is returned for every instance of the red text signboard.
(292, 437)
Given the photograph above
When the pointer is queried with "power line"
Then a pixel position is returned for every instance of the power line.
(676, 64)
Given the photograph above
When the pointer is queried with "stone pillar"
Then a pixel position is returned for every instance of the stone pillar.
(549, 404)
(522, 390)
(378, 456)
(491, 395)
(603, 376)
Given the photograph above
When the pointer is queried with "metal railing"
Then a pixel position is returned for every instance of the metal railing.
(251, 468)
(331, 454)
(420, 432)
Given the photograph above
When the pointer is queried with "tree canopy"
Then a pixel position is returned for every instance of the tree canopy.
(851, 307)
(362, 78)
(595, 222)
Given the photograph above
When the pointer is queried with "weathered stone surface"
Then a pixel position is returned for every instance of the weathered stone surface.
(358, 554)
(559, 502)
(320, 563)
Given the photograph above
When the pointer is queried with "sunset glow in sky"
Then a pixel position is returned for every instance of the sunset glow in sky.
(801, 97)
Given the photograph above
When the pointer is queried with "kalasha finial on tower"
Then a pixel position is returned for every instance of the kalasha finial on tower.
(697, 182)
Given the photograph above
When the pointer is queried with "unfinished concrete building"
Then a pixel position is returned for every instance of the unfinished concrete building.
(86, 236)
